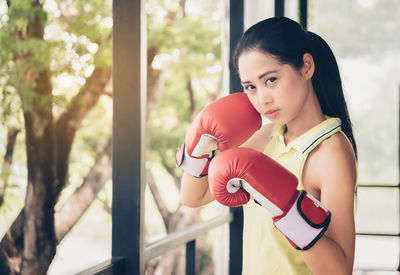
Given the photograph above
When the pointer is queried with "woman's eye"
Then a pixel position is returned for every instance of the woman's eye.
(249, 88)
(270, 80)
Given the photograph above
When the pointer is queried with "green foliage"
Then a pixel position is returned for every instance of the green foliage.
(90, 139)
(21, 56)
(103, 56)
(90, 22)
(190, 36)
(21, 13)
(189, 47)
(77, 37)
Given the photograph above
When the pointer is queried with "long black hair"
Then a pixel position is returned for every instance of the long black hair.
(287, 41)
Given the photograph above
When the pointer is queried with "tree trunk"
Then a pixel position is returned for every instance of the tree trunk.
(154, 82)
(168, 263)
(66, 127)
(11, 139)
(31, 239)
(13, 247)
(70, 121)
(192, 110)
(80, 201)
(6, 268)
(60, 139)
(181, 218)
(39, 236)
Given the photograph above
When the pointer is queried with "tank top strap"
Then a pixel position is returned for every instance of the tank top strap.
(321, 132)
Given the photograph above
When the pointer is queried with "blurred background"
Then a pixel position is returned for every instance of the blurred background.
(56, 125)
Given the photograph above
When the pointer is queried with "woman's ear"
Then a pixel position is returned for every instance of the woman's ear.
(308, 66)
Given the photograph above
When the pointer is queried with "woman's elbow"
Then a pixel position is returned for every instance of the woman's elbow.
(192, 204)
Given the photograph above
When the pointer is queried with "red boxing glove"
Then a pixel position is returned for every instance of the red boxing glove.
(225, 123)
(238, 173)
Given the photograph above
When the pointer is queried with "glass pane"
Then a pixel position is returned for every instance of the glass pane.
(257, 10)
(292, 9)
(377, 210)
(184, 75)
(361, 36)
(88, 244)
(376, 253)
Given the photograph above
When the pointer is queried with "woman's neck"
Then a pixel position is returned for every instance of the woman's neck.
(309, 116)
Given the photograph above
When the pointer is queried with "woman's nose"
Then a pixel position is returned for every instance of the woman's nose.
(264, 97)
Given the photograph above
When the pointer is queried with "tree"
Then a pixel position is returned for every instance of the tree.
(41, 44)
(8, 157)
(28, 60)
(186, 50)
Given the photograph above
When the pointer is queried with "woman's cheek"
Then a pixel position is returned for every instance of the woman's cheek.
(254, 102)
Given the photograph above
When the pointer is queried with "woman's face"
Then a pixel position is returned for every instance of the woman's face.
(277, 91)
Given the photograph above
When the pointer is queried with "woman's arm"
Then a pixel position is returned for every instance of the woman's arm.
(195, 192)
(329, 175)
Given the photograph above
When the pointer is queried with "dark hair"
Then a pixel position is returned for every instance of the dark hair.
(287, 41)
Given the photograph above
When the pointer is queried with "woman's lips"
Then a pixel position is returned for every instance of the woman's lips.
(272, 114)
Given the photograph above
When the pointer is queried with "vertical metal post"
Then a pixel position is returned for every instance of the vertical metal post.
(398, 160)
(129, 102)
(279, 8)
(236, 241)
(303, 4)
(191, 258)
(236, 25)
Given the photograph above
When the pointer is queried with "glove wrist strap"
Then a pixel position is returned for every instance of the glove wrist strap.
(305, 223)
(197, 167)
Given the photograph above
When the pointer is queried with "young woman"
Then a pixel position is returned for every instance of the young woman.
(291, 77)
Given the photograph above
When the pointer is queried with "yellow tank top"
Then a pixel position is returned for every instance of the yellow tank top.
(265, 249)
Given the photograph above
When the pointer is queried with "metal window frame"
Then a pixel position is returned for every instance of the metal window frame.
(303, 13)
(129, 104)
(279, 8)
(129, 253)
(236, 28)
(376, 234)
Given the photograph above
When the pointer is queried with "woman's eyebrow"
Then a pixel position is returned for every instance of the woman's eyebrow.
(261, 76)
(267, 73)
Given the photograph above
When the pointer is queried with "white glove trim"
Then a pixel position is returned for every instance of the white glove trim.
(206, 145)
(272, 208)
(297, 229)
(193, 166)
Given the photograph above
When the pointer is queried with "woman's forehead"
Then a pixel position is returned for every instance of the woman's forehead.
(255, 62)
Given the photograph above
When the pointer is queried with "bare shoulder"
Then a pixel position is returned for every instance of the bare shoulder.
(331, 161)
(259, 140)
(329, 175)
